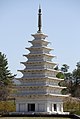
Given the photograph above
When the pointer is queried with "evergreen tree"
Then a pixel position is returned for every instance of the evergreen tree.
(71, 80)
(76, 80)
(64, 68)
(67, 79)
(5, 77)
(76, 74)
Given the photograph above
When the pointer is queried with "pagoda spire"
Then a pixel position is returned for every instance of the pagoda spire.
(39, 20)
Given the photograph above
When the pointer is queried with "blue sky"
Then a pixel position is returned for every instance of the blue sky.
(60, 21)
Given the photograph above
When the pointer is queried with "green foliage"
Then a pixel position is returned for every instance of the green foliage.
(7, 106)
(72, 105)
(76, 74)
(71, 80)
(5, 77)
(76, 81)
(60, 75)
(64, 91)
(64, 68)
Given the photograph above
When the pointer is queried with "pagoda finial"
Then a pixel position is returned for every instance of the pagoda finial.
(39, 20)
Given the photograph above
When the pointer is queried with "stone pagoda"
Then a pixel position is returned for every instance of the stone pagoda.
(39, 91)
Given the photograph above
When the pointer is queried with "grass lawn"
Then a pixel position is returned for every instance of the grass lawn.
(33, 118)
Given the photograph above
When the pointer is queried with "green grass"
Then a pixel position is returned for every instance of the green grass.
(33, 118)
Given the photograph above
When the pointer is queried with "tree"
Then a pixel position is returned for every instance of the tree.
(5, 77)
(76, 80)
(67, 79)
(67, 76)
(71, 80)
(64, 68)
(76, 74)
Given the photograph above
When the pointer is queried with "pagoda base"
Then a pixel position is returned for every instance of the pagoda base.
(39, 106)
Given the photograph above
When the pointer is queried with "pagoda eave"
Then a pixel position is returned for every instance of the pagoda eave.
(39, 54)
(39, 48)
(39, 36)
(41, 62)
(41, 95)
(42, 69)
(34, 78)
(58, 95)
(41, 40)
(44, 85)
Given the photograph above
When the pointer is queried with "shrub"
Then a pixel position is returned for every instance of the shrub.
(7, 106)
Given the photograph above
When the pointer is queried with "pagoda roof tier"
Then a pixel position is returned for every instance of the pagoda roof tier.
(39, 36)
(40, 86)
(41, 62)
(42, 68)
(45, 42)
(38, 70)
(28, 78)
(39, 47)
(39, 54)
(38, 62)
